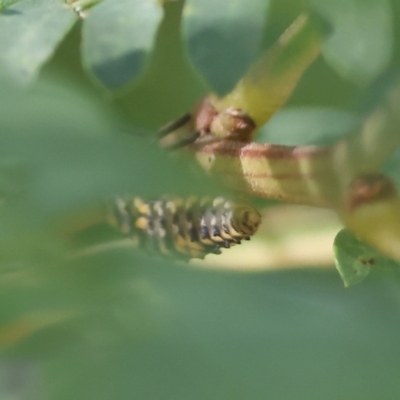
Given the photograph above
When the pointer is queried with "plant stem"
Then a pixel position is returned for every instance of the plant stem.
(365, 150)
(272, 78)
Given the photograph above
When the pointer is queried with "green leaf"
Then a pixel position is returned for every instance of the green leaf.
(53, 299)
(223, 37)
(361, 43)
(355, 259)
(62, 158)
(66, 152)
(235, 336)
(392, 167)
(306, 126)
(30, 32)
(7, 3)
(118, 38)
(170, 86)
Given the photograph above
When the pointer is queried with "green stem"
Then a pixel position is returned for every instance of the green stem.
(365, 151)
(272, 78)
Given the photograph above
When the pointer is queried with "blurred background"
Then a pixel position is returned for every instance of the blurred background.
(270, 318)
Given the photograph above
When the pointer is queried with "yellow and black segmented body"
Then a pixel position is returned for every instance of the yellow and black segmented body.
(190, 228)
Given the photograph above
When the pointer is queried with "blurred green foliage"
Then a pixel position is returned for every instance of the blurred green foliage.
(118, 324)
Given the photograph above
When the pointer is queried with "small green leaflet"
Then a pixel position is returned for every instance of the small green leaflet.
(355, 259)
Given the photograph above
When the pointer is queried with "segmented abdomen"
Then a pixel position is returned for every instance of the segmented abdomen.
(191, 228)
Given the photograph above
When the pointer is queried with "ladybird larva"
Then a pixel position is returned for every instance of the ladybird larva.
(189, 228)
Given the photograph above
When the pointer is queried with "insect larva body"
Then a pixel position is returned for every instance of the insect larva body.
(190, 228)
